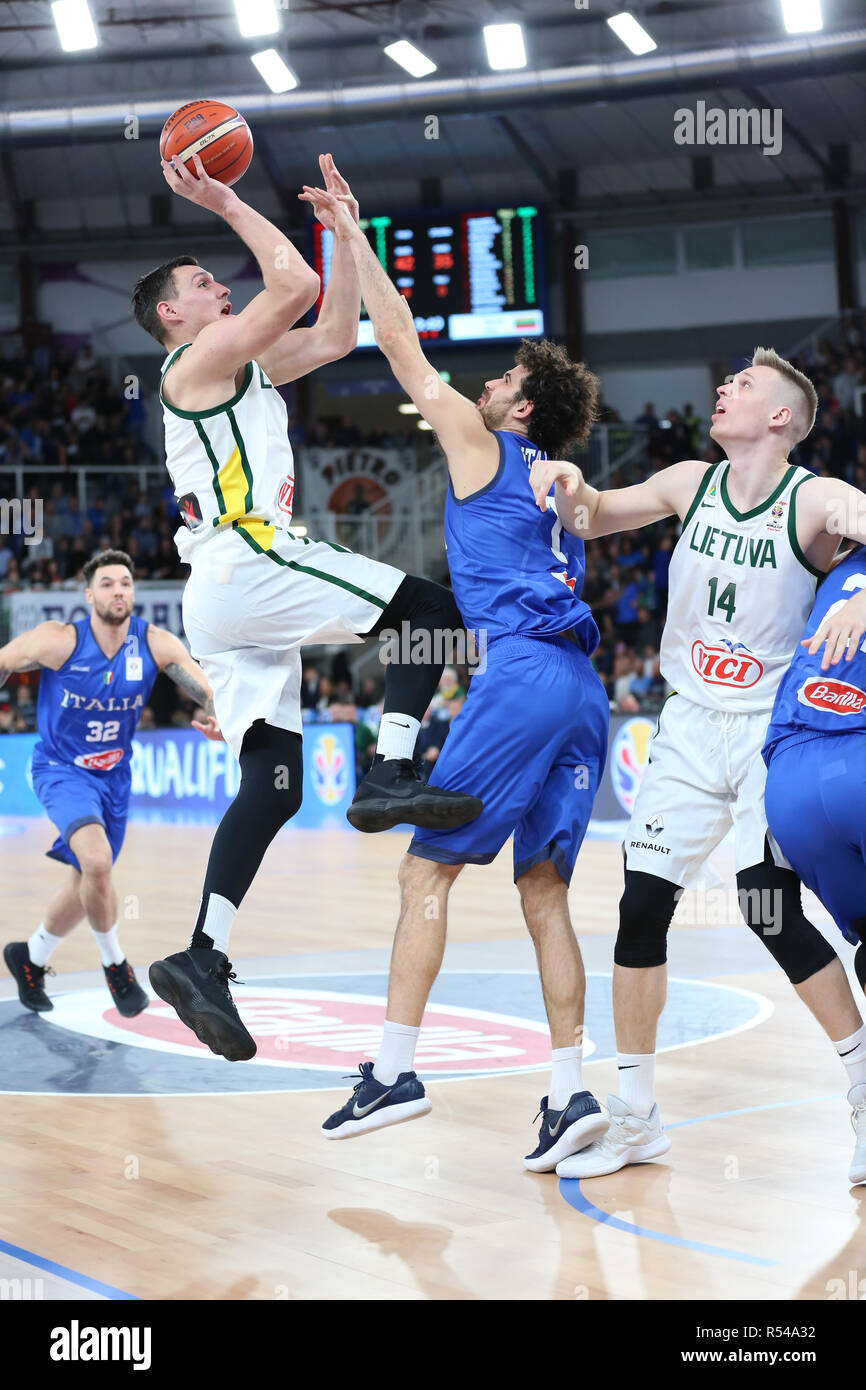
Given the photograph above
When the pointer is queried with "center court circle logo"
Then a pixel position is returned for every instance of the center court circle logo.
(628, 759)
(328, 1031)
(330, 770)
(312, 1031)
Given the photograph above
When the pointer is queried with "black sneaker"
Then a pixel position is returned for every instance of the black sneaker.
(392, 793)
(566, 1132)
(373, 1106)
(28, 977)
(196, 984)
(126, 992)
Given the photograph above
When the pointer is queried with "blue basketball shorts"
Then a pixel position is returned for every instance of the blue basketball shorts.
(73, 797)
(816, 808)
(531, 741)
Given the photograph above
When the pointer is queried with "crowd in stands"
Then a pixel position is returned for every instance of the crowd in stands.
(60, 408)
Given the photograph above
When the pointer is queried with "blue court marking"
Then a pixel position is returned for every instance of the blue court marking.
(571, 1191)
(63, 1272)
(582, 1204)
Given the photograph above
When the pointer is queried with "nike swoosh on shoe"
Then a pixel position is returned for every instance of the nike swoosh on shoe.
(360, 1111)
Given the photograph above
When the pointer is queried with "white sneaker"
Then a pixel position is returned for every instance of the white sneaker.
(629, 1140)
(857, 1171)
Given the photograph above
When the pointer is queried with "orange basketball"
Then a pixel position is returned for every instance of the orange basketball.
(214, 131)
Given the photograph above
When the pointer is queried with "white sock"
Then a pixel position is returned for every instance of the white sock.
(852, 1051)
(566, 1079)
(218, 921)
(637, 1074)
(41, 944)
(397, 736)
(396, 1051)
(109, 946)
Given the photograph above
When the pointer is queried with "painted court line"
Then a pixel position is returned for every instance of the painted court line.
(63, 1272)
(573, 1194)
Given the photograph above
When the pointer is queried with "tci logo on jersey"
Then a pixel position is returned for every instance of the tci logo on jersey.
(100, 762)
(285, 496)
(837, 696)
(726, 664)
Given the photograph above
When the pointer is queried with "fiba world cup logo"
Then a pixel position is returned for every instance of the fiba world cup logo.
(628, 760)
(330, 770)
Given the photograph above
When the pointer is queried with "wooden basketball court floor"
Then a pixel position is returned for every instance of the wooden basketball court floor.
(190, 1192)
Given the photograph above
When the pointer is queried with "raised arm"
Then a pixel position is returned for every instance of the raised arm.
(47, 644)
(335, 332)
(588, 513)
(291, 288)
(172, 657)
(470, 448)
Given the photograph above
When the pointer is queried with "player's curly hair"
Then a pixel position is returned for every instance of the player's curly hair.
(103, 558)
(564, 395)
(150, 289)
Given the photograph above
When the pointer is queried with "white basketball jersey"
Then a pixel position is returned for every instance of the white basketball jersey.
(740, 593)
(230, 462)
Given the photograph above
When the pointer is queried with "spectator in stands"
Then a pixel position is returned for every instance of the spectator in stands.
(648, 419)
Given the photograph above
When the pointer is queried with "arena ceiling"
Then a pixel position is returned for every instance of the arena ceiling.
(585, 124)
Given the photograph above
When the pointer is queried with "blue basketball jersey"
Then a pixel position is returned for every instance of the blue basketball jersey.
(811, 701)
(87, 710)
(514, 569)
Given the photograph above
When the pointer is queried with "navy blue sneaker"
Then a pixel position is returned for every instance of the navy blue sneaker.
(566, 1132)
(373, 1106)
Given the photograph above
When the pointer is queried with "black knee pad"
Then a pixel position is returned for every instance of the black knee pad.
(769, 899)
(646, 908)
(272, 776)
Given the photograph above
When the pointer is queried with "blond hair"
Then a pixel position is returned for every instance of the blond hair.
(806, 404)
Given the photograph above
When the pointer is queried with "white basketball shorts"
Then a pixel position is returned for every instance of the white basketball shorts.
(255, 596)
(705, 775)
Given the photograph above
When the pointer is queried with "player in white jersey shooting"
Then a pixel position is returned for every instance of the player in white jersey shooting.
(256, 593)
(757, 535)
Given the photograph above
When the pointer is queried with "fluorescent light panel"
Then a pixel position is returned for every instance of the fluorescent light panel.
(505, 46)
(633, 35)
(802, 16)
(256, 17)
(424, 425)
(411, 58)
(278, 76)
(74, 24)
(408, 410)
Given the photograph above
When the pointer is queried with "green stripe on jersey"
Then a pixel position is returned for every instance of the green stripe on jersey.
(307, 569)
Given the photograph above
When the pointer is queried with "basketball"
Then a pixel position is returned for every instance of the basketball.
(214, 131)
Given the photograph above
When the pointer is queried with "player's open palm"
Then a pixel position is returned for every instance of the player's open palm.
(545, 472)
(841, 631)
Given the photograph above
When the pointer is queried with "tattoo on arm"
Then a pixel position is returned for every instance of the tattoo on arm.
(187, 682)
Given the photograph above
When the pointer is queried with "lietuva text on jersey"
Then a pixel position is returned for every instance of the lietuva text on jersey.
(740, 591)
(812, 702)
(87, 710)
(230, 462)
(514, 569)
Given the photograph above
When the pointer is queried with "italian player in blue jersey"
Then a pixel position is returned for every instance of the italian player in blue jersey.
(97, 675)
(532, 737)
(815, 753)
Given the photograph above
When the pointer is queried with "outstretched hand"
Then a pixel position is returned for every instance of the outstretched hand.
(335, 205)
(210, 728)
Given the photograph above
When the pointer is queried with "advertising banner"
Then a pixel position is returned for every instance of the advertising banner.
(177, 775)
(159, 605)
